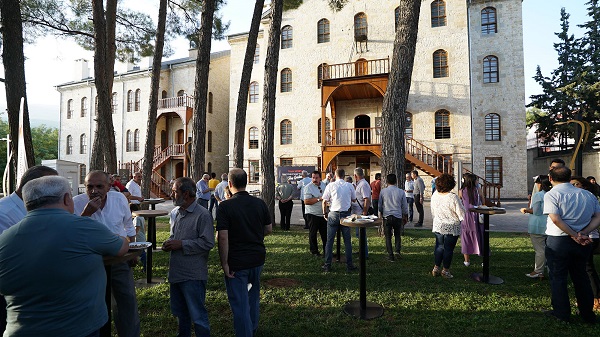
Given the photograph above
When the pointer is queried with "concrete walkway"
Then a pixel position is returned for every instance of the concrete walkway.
(512, 221)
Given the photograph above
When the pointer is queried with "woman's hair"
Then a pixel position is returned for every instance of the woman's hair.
(470, 185)
(585, 184)
(544, 182)
(444, 183)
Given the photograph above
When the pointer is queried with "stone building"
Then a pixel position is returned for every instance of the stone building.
(131, 93)
(466, 106)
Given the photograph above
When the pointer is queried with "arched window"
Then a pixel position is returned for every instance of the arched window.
(209, 142)
(322, 74)
(408, 125)
(69, 144)
(327, 128)
(286, 132)
(83, 144)
(253, 93)
(286, 80)
(136, 140)
(210, 102)
(163, 94)
(323, 31)
(114, 102)
(180, 93)
(257, 54)
(82, 173)
(253, 138)
(396, 16)
(492, 127)
(209, 167)
(286, 37)
(84, 107)
(129, 143)
(490, 69)
(138, 98)
(70, 109)
(488, 21)
(440, 63)
(361, 67)
(442, 124)
(360, 27)
(438, 13)
(129, 100)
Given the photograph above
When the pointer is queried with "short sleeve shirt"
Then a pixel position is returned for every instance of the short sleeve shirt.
(340, 193)
(202, 185)
(12, 210)
(313, 191)
(575, 206)
(363, 191)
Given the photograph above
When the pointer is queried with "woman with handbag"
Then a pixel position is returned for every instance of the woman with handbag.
(537, 225)
(471, 237)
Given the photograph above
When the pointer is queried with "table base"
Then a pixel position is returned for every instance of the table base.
(373, 310)
(143, 283)
(491, 278)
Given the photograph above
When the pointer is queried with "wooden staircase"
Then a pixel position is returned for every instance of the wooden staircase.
(426, 159)
(159, 185)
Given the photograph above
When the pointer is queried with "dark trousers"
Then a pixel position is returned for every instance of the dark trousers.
(285, 209)
(304, 214)
(316, 224)
(393, 226)
(2, 314)
(419, 206)
(565, 258)
(591, 270)
(213, 204)
(375, 205)
(411, 202)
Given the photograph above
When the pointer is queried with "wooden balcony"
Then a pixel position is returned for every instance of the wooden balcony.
(355, 69)
(181, 105)
(360, 136)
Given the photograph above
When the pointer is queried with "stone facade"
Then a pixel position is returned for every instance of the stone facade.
(176, 76)
(462, 92)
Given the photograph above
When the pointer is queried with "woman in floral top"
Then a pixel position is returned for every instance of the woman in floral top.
(447, 211)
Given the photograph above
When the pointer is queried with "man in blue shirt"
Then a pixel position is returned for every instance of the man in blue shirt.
(60, 290)
(203, 191)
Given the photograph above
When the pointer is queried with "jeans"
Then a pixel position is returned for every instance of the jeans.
(419, 206)
(333, 223)
(591, 270)
(285, 209)
(410, 202)
(125, 309)
(316, 224)
(565, 257)
(243, 292)
(393, 226)
(213, 204)
(444, 249)
(187, 304)
(202, 202)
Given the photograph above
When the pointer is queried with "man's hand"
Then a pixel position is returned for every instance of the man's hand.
(170, 245)
(227, 272)
(92, 206)
(133, 262)
(582, 239)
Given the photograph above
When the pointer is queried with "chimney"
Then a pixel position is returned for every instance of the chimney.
(82, 71)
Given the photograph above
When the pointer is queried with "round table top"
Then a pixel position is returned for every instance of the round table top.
(152, 201)
(488, 210)
(147, 213)
(375, 223)
(110, 260)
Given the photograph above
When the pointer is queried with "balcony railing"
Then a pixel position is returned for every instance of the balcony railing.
(358, 136)
(354, 69)
(184, 101)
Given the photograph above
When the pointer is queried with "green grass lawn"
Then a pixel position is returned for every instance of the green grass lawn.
(415, 303)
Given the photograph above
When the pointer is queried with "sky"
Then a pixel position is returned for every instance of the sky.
(50, 61)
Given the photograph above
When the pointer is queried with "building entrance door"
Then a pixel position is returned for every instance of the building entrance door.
(362, 134)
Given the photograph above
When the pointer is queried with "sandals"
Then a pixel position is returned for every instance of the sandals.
(436, 271)
(535, 275)
(446, 274)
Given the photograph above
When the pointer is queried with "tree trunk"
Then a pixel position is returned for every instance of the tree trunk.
(396, 96)
(242, 103)
(201, 90)
(104, 151)
(267, 166)
(148, 162)
(14, 73)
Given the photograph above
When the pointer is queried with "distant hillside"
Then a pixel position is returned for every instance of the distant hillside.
(37, 122)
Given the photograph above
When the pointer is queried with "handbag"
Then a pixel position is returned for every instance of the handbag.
(370, 211)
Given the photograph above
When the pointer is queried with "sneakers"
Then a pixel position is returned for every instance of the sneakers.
(467, 263)
(418, 225)
(446, 274)
(326, 268)
(535, 275)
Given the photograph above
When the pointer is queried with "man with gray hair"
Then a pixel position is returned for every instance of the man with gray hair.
(112, 209)
(192, 237)
(220, 189)
(60, 290)
(12, 210)
(203, 191)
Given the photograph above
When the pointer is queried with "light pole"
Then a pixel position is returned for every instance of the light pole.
(5, 180)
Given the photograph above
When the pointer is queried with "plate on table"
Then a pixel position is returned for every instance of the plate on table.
(154, 199)
(139, 245)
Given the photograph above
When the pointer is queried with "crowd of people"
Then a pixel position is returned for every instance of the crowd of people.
(564, 214)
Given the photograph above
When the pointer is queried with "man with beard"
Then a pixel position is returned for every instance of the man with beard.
(112, 209)
(192, 237)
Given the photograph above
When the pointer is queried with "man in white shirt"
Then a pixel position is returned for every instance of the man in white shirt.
(409, 186)
(112, 209)
(220, 189)
(136, 191)
(12, 210)
(341, 195)
(304, 182)
(572, 214)
(363, 199)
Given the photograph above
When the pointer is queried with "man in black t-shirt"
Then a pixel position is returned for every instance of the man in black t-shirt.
(242, 223)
